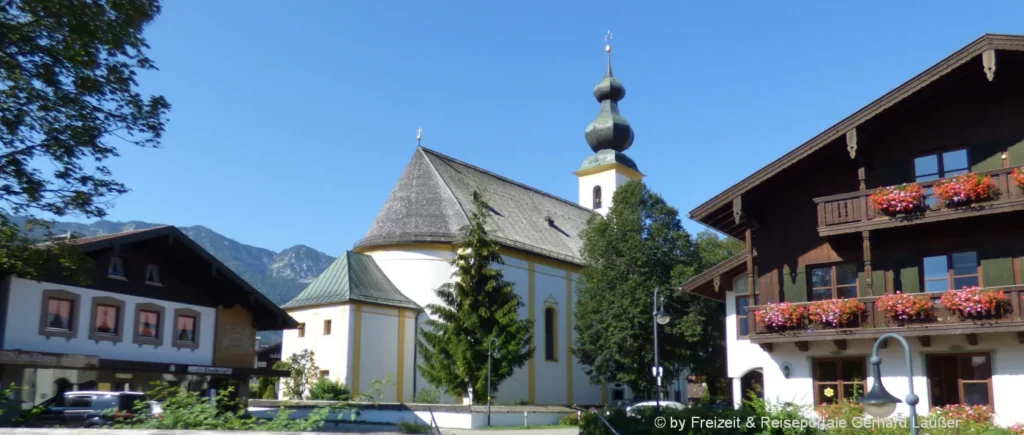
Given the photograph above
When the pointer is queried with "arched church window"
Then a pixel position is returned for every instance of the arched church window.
(597, 197)
(550, 323)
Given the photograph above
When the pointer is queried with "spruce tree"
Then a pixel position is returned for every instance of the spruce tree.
(477, 305)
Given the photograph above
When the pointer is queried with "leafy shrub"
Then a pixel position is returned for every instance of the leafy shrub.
(327, 389)
(411, 427)
(428, 395)
(570, 420)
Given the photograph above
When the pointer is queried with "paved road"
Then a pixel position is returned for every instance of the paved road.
(364, 429)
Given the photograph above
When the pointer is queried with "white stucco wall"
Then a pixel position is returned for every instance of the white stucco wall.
(329, 351)
(24, 306)
(379, 353)
(609, 180)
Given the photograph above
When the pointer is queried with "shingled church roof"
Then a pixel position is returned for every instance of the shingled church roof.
(432, 199)
(352, 277)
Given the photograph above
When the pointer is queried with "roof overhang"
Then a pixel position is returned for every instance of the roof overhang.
(716, 281)
(716, 212)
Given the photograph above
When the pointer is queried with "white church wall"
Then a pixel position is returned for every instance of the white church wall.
(549, 291)
(584, 392)
(330, 351)
(517, 386)
(378, 356)
(607, 180)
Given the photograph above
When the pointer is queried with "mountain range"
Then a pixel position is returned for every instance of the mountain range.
(278, 275)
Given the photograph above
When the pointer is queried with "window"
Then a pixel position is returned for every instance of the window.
(837, 379)
(327, 327)
(302, 330)
(107, 322)
(941, 165)
(186, 328)
(324, 374)
(744, 299)
(952, 271)
(116, 268)
(833, 282)
(597, 197)
(153, 275)
(58, 315)
(550, 323)
(80, 402)
(960, 379)
(149, 326)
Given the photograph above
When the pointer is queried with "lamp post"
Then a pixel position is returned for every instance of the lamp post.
(879, 403)
(660, 318)
(493, 340)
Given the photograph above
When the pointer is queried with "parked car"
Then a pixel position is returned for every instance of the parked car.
(634, 410)
(90, 409)
(616, 404)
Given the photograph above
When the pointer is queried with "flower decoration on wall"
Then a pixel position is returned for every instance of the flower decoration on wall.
(904, 308)
(966, 189)
(896, 200)
(836, 313)
(975, 303)
(781, 317)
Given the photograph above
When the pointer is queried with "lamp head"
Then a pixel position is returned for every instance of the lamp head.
(878, 402)
(662, 317)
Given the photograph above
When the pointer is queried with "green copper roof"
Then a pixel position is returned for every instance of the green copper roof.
(607, 157)
(352, 277)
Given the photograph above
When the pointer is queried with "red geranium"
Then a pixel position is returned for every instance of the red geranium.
(966, 189)
(902, 307)
(973, 302)
(1018, 177)
(781, 317)
(836, 313)
(961, 413)
(900, 199)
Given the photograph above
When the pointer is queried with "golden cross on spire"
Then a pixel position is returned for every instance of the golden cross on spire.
(419, 135)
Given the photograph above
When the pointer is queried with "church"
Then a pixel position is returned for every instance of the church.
(361, 317)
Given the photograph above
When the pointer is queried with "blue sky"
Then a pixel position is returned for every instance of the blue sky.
(292, 121)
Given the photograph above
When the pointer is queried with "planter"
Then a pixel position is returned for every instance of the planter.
(782, 317)
(902, 309)
(967, 189)
(1018, 177)
(898, 200)
(976, 304)
(836, 313)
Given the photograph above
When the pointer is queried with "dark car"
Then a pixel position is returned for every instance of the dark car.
(89, 409)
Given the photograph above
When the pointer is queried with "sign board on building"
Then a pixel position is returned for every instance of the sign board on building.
(48, 359)
(209, 370)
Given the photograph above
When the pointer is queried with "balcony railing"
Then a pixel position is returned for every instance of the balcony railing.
(874, 322)
(853, 212)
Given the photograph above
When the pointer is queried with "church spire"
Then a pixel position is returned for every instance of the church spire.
(610, 130)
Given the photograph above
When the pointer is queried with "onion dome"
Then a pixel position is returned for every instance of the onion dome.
(609, 130)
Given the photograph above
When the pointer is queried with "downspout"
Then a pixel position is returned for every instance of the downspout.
(415, 350)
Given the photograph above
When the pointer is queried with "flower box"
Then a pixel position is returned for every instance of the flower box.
(975, 304)
(836, 313)
(897, 200)
(1018, 177)
(903, 308)
(966, 189)
(781, 317)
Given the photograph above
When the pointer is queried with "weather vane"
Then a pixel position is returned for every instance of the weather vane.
(419, 135)
(608, 41)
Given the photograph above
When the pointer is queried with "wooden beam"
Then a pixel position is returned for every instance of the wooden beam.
(972, 339)
(737, 209)
(988, 62)
(868, 282)
(926, 340)
(840, 344)
(851, 142)
(748, 237)
(767, 347)
(802, 345)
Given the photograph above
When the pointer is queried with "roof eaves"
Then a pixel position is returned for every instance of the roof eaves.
(975, 48)
(714, 271)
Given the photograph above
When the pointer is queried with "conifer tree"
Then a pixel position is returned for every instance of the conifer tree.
(476, 306)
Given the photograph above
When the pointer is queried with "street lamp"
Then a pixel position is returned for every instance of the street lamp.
(660, 318)
(493, 340)
(879, 403)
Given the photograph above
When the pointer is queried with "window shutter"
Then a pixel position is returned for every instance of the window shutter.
(794, 284)
(1015, 153)
(986, 157)
(907, 277)
(877, 283)
(997, 271)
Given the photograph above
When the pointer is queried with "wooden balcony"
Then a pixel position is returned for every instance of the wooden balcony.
(873, 323)
(852, 212)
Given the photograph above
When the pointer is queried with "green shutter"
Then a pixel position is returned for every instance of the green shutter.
(997, 272)
(906, 277)
(986, 157)
(1015, 153)
(794, 285)
(877, 283)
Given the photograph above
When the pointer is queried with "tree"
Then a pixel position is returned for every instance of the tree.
(638, 246)
(68, 99)
(304, 373)
(476, 306)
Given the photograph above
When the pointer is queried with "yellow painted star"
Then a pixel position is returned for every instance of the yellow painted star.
(829, 392)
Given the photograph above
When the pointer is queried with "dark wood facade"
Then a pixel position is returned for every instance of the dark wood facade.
(810, 209)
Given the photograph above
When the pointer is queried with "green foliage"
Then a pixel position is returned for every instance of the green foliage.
(478, 306)
(327, 389)
(428, 395)
(569, 420)
(184, 409)
(411, 427)
(265, 388)
(69, 98)
(638, 246)
(376, 391)
(304, 373)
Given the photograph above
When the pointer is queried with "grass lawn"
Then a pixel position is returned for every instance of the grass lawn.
(540, 426)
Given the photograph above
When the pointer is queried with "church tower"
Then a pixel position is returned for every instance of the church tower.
(608, 135)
